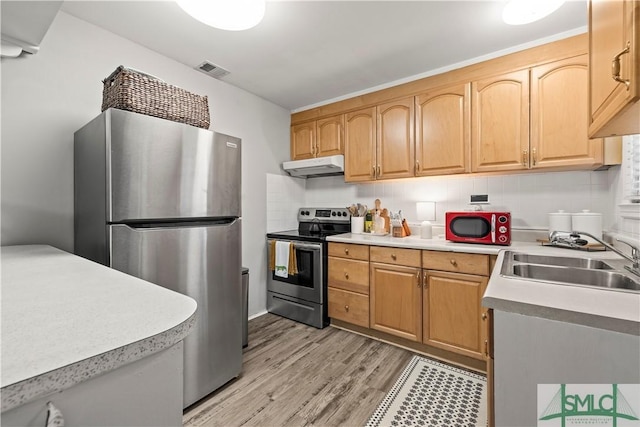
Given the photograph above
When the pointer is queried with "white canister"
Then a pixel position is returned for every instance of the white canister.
(357, 224)
(560, 221)
(589, 222)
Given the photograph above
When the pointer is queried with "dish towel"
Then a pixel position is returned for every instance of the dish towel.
(282, 258)
(293, 261)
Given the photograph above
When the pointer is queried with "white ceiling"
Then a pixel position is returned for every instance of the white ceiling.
(307, 52)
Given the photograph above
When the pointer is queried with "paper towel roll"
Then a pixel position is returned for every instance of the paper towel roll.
(560, 221)
(587, 221)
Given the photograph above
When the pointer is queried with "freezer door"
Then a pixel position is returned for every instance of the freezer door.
(202, 262)
(160, 169)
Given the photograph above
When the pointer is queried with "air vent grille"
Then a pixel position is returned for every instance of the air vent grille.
(212, 70)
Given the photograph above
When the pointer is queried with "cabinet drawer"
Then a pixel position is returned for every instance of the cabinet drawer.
(456, 262)
(396, 256)
(347, 250)
(349, 275)
(349, 307)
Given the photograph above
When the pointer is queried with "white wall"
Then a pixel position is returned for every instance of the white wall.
(48, 96)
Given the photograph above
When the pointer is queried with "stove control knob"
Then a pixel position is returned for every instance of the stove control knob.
(502, 229)
(502, 238)
(306, 212)
(333, 214)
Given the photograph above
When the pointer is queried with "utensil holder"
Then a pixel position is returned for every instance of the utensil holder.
(357, 224)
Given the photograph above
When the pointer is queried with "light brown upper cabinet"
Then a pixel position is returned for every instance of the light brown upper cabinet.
(323, 137)
(614, 69)
(559, 118)
(360, 145)
(303, 140)
(533, 119)
(395, 150)
(379, 142)
(443, 131)
(500, 122)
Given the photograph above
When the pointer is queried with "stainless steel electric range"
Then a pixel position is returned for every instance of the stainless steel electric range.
(303, 296)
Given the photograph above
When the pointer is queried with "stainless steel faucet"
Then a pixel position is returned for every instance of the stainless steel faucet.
(572, 239)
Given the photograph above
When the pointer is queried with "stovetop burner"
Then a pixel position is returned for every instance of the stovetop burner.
(315, 224)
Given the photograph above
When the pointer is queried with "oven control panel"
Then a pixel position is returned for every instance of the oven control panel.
(324, 215)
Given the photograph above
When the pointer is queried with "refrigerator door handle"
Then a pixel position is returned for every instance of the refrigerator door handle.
(160, 225)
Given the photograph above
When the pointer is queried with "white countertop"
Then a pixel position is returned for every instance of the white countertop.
(415, 242)
(590, 306)
(66, 319)
(596, 307)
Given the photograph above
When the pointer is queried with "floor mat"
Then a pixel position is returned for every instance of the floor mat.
(431, 393)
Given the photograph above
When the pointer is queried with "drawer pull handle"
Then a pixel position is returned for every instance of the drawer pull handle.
(346, 251)
(484, 316)
(486, 348)
(346, 275)
(453, 262)
(393, 256)
(346, 308)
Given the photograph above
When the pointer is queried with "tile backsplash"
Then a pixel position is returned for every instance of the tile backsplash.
(529, 197)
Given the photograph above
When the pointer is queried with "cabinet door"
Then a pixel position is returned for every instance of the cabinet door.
(360, 145)
(330, 134)
(395, 300)
(396, 155)
(452, 312)
(500, 123)
(303, 141)
(613, 106)
(559, 117)
(443, 131)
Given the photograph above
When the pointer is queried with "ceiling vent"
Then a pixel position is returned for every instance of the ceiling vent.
(212, 70)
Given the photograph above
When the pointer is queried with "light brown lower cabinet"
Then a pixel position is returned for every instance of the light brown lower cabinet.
(491, 418)
(452, 313)
(348, 282)
(427, 297)
(395, 300)
(349, 307)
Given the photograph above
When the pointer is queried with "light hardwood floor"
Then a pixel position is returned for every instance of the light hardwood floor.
(296, 375)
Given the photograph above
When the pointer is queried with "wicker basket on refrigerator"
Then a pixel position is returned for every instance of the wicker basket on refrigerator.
(132, 90)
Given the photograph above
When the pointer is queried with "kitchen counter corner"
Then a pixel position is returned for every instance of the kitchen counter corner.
(66, 319)
(599, 308)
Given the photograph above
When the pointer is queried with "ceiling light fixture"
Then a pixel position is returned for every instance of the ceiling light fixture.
(232, 15)
(519, 12)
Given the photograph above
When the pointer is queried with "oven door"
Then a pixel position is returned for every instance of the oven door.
(307, 283)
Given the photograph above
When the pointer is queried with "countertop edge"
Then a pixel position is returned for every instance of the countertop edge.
(16, 394)
(591, 320)
(412, 242)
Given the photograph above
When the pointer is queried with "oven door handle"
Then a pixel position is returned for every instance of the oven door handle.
(303, 245)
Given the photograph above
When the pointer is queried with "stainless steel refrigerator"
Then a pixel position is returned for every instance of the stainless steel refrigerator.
(161, 201)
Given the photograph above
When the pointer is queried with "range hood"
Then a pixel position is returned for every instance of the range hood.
(319, 166)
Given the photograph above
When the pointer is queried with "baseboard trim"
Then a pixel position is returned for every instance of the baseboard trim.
(261, 313)
(436, 353)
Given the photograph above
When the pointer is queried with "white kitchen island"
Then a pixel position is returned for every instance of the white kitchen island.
(548, 333)
(104, 347)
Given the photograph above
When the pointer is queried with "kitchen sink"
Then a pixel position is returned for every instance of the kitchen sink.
(568, 271)
(577, 276)
(562, 261)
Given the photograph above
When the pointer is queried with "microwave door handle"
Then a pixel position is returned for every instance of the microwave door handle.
(493, 228)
